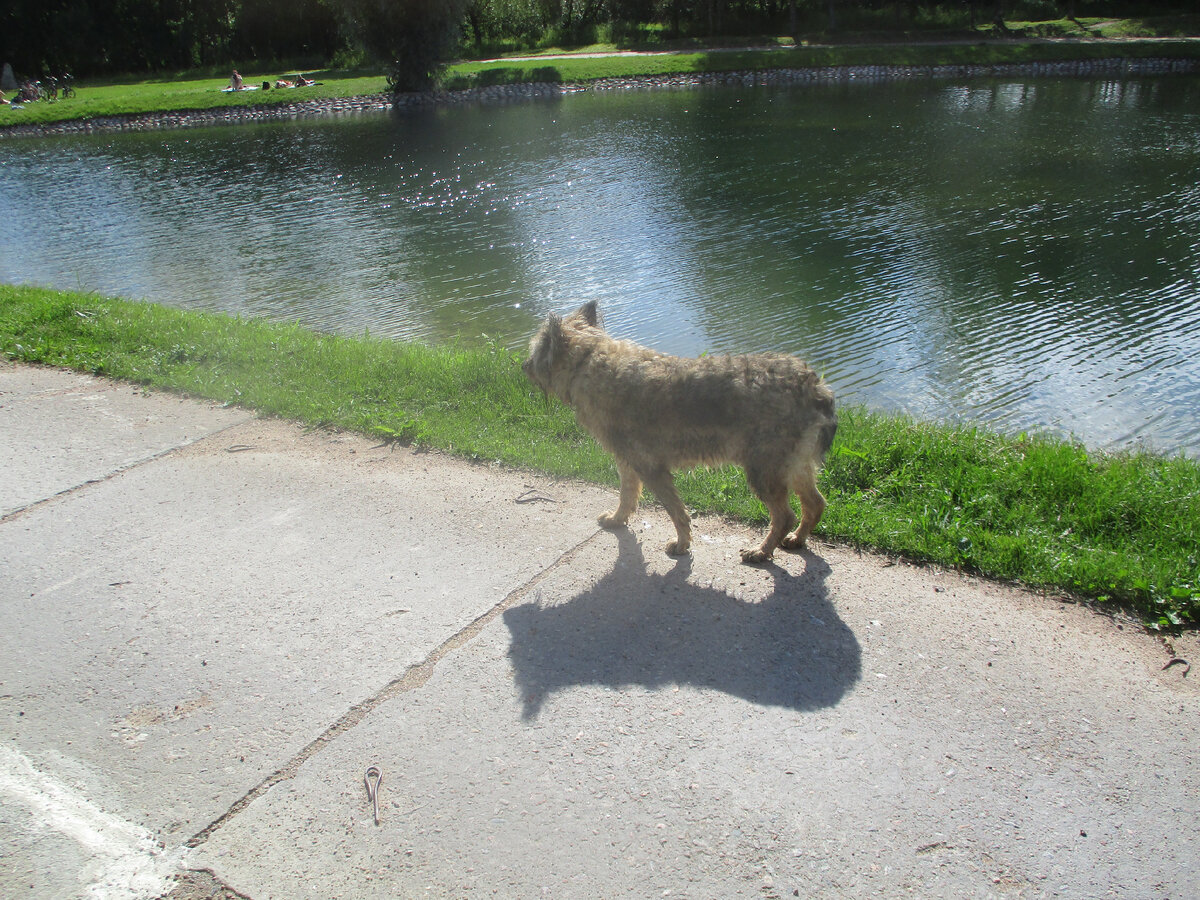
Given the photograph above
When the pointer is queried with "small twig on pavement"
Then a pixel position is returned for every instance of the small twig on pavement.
(533, 495)
(373, 779)
(1176, 661)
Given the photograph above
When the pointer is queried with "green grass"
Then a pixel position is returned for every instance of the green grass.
(186, 92)
(1118, 529)
(1099, 27)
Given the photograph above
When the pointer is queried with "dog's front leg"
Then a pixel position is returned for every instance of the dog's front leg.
(631, 490)
(812, 504)
(663, 484)
(772, 490)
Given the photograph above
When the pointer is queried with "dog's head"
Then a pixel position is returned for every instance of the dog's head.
(548, 347)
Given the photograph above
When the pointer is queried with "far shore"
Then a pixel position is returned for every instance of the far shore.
(519, 83)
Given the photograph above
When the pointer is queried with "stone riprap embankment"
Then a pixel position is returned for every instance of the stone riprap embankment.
(505, 93)
(1095, 68)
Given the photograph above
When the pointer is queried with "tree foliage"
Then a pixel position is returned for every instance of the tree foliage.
(281, 29)
(88, 37)
(411, 38)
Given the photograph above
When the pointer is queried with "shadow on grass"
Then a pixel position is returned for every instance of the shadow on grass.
(500, 75)
(635, 627)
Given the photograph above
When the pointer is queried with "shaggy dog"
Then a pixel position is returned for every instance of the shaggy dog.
(769, 413)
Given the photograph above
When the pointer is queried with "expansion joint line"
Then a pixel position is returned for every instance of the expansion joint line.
(120, 470)
(413, 679)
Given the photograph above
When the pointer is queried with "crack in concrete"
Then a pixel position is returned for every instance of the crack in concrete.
(202, 884)
(120, 470)
(413, 678)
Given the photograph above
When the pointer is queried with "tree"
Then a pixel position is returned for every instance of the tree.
(412, 38)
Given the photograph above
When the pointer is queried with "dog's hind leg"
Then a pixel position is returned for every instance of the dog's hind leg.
(662, 483)
(812, 505)
(631, 490)
(772, 489)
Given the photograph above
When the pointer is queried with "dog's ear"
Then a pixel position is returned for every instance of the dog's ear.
(556, 341)
(588, 313)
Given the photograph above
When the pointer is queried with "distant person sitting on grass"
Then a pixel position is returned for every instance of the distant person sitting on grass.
(3, 99)
(301, 81)
(235, 81)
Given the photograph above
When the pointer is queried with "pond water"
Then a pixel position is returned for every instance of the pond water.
(1024, 254)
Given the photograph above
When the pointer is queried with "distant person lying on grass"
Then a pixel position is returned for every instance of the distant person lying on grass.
(298, 81)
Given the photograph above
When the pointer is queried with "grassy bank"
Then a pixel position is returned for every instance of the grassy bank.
(94, 100)
(1121, 529)
(583, 68)
(189, 91)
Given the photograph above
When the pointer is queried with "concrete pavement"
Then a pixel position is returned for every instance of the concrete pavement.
(211, 625)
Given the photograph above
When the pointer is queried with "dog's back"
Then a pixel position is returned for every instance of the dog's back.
(688, 412)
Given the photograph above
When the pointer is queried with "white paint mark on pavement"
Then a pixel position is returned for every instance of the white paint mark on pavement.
(127, 863)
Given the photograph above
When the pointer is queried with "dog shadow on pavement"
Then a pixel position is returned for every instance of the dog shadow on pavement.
(636, 627)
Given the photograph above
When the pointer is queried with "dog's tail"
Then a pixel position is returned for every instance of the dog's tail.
(825, 438)
(827, 428)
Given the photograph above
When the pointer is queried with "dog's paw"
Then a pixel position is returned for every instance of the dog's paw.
(792, 542)
(755, 556)
(678, 548)
(610, 521)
